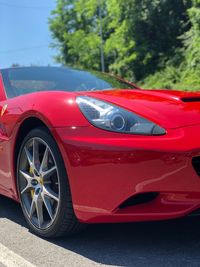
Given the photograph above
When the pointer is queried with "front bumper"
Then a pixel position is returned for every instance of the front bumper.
(105, 169)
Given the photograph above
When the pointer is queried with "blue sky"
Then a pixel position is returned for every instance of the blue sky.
(25, 37)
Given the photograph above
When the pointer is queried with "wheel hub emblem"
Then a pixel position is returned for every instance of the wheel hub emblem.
(34, 182)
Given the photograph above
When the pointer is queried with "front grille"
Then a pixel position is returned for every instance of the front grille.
(196, 164)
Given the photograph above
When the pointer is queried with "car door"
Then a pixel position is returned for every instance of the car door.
(6, 183)
(3, 108)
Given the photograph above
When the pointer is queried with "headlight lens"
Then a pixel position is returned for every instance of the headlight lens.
(113, 118)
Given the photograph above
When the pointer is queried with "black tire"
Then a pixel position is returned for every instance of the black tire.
(65, 221)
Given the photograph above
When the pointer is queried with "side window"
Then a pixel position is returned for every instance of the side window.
(2, 92)
(8, 90)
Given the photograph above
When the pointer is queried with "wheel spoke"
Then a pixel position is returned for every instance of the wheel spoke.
(29, 156)
(39, 209)
(44, 163)
(28, 179)
(35, 154)
(26, 189)
(32, 208)
(48, 173)
(48, 206)
(50, 193)
(26, 175)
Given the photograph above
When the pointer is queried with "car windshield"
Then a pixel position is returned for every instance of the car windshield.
(20, 81)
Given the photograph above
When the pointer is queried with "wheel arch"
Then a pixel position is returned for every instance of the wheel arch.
(26, 126)
(71, 225)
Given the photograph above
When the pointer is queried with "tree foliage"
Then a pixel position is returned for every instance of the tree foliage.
(192, 37)
(143, 40)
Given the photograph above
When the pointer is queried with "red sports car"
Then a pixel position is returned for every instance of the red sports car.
(76, 149)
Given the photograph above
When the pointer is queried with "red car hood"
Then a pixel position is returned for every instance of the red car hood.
(170, 109)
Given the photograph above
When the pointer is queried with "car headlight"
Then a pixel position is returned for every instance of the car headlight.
(110, 117)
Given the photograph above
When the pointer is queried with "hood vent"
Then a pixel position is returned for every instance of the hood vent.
(191, 99)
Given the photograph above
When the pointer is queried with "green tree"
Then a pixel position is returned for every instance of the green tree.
(74, 28)
(192, 37)
(186, 74)
(155, 26)
(140, 36)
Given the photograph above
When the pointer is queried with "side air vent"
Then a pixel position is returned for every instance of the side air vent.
(190, 99)
(195, 213)
(139, 199)
(196, 165)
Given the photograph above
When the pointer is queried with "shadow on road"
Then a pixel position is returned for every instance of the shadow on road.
(167, 243)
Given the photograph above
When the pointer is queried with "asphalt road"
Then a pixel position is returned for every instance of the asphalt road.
(169, 243)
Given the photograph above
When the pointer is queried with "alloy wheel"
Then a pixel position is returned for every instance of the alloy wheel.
(39, 183)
